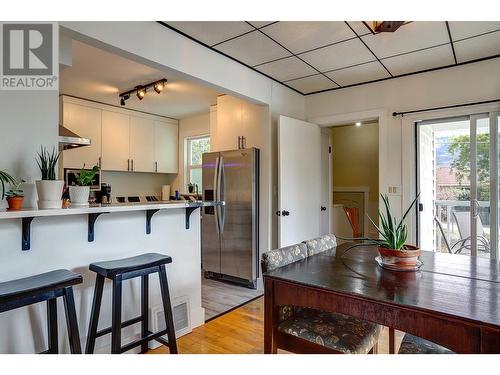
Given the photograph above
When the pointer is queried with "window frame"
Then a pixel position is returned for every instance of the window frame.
(188, 167)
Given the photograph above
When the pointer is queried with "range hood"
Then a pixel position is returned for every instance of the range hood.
(69, 140)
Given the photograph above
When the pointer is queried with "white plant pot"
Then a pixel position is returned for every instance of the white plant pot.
(49, 193)
(79, 195)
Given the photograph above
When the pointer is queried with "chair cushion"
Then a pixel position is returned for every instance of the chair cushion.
(339, 332)
(416, 345)
(114, 267)
(277, 258)
(320, 244)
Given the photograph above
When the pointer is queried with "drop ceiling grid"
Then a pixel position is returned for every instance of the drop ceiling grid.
(393, 48)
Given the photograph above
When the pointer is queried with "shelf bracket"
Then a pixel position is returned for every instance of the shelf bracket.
(149, 215)
(189, 211)
(26, 235)
(92, 218)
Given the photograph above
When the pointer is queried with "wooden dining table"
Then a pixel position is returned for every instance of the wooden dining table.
(452, 300)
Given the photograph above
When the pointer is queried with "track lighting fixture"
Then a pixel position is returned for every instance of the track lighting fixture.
(140, 91)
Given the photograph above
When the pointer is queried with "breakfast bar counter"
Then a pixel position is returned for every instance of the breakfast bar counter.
(73, 238)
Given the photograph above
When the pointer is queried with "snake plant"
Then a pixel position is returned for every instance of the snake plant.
(47, 162)
(5, 178)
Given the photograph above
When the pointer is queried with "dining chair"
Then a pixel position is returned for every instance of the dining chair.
(306, 330)
(463, 221)
(417, 345)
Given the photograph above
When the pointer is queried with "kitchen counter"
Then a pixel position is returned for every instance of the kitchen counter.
(73, 238)
(105, 208)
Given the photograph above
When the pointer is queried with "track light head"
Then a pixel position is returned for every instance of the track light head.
(159, 86)
(122, 101)
(123, 98)
(141, 92)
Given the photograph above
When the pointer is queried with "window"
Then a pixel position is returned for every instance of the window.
(195, 148)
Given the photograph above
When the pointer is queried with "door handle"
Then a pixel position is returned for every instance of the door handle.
(323, 208)
(278, 213)
(285, 213)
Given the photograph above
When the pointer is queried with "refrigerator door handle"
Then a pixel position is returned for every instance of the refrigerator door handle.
(222, 194)
(216, 212)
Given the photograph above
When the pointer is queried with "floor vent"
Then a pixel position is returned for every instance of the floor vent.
(182, 322)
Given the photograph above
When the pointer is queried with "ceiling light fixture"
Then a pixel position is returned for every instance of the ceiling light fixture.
(358, 124)
(377, 27)
(140, 91)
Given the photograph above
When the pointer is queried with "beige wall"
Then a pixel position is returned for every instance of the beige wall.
(355, 161)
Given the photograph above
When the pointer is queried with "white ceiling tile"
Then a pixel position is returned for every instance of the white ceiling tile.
(410, 37)
(478, 47)
(258, 24)
(253, 49)
(339, 55)
(359, 27)
(211, 32)
(360, 73)
(303, 36)
(465, 29)
(420, 60)
(312, 84)
(286, 69)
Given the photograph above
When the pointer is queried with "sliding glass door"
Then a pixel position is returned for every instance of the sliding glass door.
(457, 177)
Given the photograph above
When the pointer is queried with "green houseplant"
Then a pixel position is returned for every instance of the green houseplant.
(394, 252)
(15, 196)
(49, 189)
(79, 193)
(5, 178)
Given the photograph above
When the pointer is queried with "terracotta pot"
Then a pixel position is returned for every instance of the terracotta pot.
(15, 203)
(404, 259)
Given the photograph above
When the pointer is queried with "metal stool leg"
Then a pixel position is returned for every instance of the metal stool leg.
(169, 321)
(116, 319)
(52, 326)
(94, 317)
(71, 321)
(144, 311)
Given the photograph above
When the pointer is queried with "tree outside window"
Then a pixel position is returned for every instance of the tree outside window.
(195, 148)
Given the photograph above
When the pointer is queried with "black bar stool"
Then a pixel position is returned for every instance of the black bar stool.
(46, 287)
(124, 269)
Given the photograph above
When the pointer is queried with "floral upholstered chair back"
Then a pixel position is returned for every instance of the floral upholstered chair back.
(320, 244)
(277, 258)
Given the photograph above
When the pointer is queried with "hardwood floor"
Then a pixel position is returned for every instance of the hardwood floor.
(219, 297)
(240, 331)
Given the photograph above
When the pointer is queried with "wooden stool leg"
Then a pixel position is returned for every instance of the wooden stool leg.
(94, 317)
(167, 308)
(116, 319)
(144, 311)
(52, 326)
(391, 341)
(71, 321)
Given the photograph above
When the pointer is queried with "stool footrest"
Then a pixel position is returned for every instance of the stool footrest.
(149, 337)
(127, 323)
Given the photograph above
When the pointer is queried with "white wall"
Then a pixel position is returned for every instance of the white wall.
(191, 126)
(462, 84)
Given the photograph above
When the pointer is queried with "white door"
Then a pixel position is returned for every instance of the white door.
(299, 179)
(326, 181)
(142, 139)
(166, 145)
(115, 141)
(86, 122)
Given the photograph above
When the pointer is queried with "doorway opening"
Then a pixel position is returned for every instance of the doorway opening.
(355, 179)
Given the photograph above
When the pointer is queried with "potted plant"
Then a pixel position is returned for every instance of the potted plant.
(15, 196)
(5, 178)
(394, 252)
(79, 193)
(49, 189)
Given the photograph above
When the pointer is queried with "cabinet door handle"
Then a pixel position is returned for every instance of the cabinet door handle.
(99, 162)
(132, 165)
(156, 166)
(128, 164)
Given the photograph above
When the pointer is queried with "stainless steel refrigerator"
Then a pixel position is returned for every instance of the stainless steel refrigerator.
(230, 233)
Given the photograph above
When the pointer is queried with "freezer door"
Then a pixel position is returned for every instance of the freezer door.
(210, 239)
(239, 217)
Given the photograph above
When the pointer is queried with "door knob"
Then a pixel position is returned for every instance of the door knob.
(278, 213)
(285, 213)
(323, 208)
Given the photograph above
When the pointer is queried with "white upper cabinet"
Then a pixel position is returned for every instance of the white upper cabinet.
(86, 122)
(166, 143)
(115, 141)
(142, 144)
